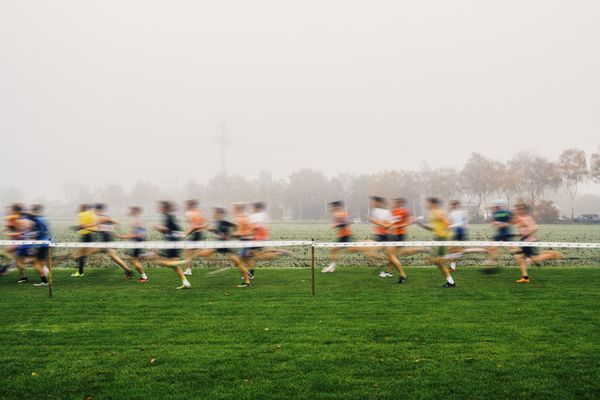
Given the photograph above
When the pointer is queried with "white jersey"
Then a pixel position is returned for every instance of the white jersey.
(260, 219)
(459, 219)
(382, 214)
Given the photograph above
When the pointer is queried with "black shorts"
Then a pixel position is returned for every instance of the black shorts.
(39, 252)
(503, 236)
(344, 239)
(396, 238)
(382, 238)
(135, 253)
(170, 253)
(105, 236)
(196, 236)
(87, 238)
(528, 251)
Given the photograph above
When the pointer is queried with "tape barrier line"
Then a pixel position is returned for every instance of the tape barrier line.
(160, 245)
(289, 243)
(451, 243)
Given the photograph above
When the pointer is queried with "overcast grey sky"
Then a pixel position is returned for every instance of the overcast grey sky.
(134, 90)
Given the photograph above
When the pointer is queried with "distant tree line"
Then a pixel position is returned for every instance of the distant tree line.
(305, 193)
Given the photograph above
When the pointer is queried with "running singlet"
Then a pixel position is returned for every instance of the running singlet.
(381, 214)
(223, 229)
(260, 225)
(87, 218)
(244, 229)
(439, 224)
(401, 215)
(503, 216)
(341, 222)
(195, 219)
(173, 231)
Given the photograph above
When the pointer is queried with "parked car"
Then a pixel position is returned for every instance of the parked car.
(588, 219)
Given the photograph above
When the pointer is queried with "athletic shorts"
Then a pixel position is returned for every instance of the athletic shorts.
(40, 253)
(397, 238)
(170, 253)
(135, 253)
(25, 250)
(105, 236)
(245, 252)
(460, 234)
(381, 238)
(196, 236)
(344, 239)
(528, 251)
(87, 238)
(503, 236)
(441, 250)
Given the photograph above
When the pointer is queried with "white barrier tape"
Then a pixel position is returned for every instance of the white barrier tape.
(23, 242)
(161, 245)
(289, 243)
(450, 243)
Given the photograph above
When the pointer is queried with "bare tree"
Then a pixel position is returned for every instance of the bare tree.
(595, 166)
(572, 167)
(537, 175)
(509, 180)
(476, 177)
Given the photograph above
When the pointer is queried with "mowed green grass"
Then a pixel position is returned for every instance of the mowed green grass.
(360, 337)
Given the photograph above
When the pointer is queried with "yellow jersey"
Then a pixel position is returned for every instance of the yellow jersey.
(440, 224)
(88, 219)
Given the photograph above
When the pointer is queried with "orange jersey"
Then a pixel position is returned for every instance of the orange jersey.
(342, 223)
(195, 219)
(244, 228)
(402, 217)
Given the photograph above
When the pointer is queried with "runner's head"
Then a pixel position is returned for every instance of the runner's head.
(135, 211)
(336, 205)
(239, 208)
(84, 207)
(454, 205)
(522, 209)
(165, 207)
(259, 206)
(377, 202)
(218, 213)
(191, 205)
(37, 209)
(399, 202)
(433, 202)
(16, 208)
(100, 208)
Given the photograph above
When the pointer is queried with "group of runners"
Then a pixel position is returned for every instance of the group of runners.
(95, 225)
(251, 223)
(390, 224)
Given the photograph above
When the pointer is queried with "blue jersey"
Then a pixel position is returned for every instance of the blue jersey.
(40, 229)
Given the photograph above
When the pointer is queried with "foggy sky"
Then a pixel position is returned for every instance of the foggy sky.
(134, 90)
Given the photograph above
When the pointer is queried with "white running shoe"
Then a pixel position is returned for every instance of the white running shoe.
(453, 266)
(329, 268)
(46, 270)
(384, 274)
(41, 284)
(188, 272)
(185, 285)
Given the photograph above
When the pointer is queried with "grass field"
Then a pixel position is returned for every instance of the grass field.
(361, 337)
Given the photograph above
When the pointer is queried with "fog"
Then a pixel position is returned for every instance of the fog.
(128, 91)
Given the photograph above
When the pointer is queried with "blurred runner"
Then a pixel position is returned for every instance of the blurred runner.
(439, 224)
(526, 256)
(382, 221)
(195, 233)
(137, 234)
